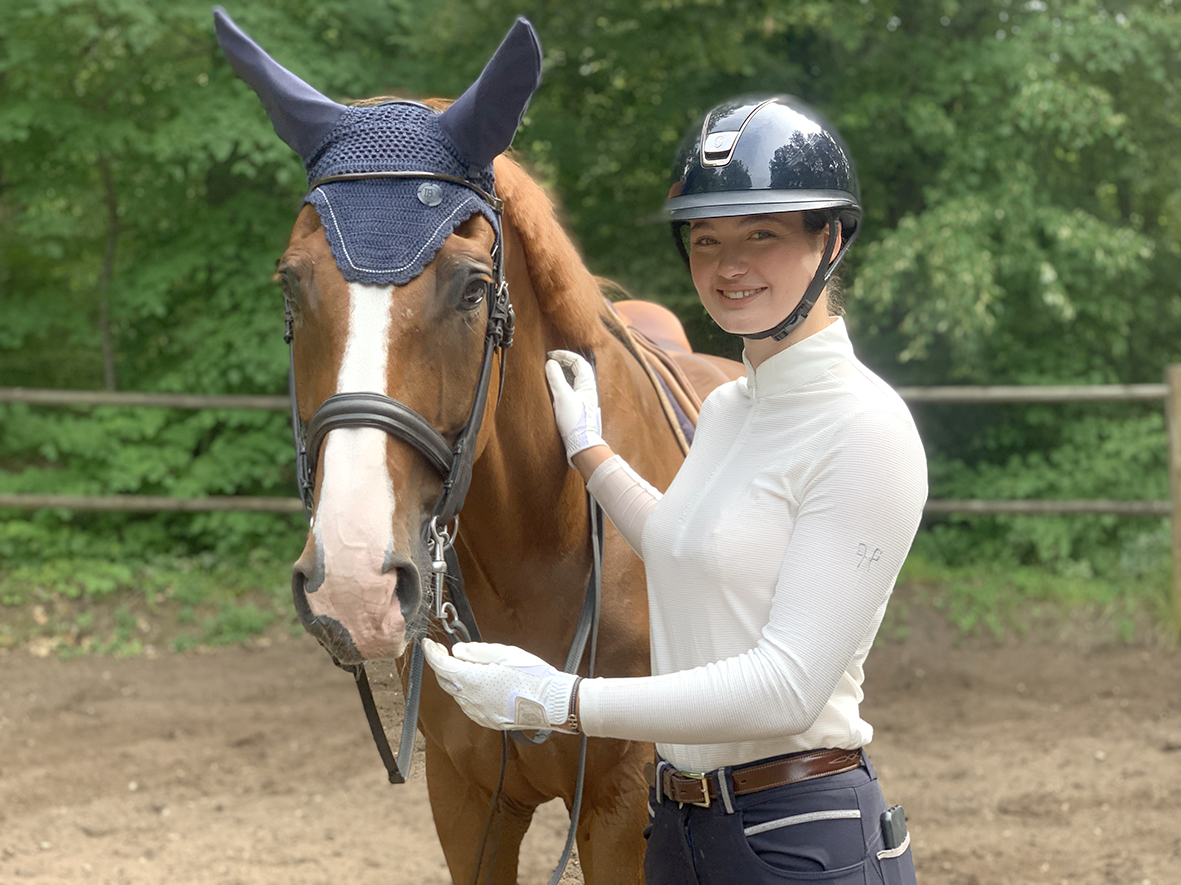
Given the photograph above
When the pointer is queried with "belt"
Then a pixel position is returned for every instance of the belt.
(689, 788)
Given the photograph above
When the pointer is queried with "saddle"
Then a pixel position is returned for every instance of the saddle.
(682, 378)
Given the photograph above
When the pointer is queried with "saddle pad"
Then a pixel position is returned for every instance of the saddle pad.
(680, 401)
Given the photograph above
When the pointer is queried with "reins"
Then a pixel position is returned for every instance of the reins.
(454, 463)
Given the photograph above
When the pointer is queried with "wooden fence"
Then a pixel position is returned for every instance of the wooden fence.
(1169, 391)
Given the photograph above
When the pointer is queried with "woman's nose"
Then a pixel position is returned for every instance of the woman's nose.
(732, 262)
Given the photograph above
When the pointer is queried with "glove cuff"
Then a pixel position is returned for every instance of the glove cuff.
(560, 702)
(582, 438)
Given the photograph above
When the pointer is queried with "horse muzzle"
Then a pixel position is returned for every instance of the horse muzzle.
(359, 617)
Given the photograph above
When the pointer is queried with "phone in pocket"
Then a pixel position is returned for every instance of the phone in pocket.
(893, 827)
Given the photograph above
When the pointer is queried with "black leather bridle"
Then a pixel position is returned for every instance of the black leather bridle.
(452, 462)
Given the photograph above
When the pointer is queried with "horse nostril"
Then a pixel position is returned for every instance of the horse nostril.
(299, 597)
(329, 632)
(408, 589)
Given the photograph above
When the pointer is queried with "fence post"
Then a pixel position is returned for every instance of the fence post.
(1173, 419)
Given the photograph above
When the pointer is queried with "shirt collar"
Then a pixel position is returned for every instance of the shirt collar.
(799, 363)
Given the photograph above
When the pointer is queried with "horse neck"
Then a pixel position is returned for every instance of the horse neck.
(525, 526)
(525, 521)
(525, 513)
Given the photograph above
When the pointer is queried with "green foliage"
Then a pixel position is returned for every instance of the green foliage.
(1001, 600)
(1089, 455)
(1040, 229)
(1023, 213)
(78, 605)
(139, 177)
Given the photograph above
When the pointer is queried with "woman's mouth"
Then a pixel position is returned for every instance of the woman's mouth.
(739, 294)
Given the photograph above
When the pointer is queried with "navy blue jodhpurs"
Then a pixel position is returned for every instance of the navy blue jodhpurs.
(825, 830)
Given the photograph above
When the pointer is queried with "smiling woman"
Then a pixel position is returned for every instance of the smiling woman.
(773, 553)
(752, 270)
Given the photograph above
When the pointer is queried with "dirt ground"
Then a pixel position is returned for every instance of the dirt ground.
(1046, 760)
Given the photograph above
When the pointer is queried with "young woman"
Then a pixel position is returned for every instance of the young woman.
(772, 555)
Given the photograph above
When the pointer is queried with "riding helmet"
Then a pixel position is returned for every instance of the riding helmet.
(763, 154)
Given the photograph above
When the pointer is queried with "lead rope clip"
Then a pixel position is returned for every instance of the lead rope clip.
(442, 539)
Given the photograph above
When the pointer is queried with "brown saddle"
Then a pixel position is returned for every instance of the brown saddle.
(686, 378)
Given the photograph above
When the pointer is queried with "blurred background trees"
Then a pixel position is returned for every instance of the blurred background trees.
(1018, 166)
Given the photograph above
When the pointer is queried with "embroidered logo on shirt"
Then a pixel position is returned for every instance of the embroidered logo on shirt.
(865, 559)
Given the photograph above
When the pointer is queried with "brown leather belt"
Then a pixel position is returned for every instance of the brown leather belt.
(702, 789)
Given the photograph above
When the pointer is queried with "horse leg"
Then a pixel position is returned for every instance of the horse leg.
(614, 813)
(460, 807)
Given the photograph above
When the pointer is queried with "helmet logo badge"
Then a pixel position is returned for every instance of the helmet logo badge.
(718, 148)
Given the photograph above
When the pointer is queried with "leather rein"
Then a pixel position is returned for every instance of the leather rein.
(454, 464)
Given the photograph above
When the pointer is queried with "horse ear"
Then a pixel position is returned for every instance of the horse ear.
(483, 121)
(302, 117)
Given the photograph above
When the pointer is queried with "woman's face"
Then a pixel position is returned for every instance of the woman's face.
(752, 270)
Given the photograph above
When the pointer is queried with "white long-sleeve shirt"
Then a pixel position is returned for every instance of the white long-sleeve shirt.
(770, 560)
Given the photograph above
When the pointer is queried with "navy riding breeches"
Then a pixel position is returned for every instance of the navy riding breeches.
(826, 830)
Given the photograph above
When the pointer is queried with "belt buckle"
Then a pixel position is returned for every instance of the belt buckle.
(703, 779)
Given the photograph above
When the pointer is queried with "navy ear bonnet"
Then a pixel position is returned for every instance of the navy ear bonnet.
(384, 231)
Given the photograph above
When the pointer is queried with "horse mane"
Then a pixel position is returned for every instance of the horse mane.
(569, 295)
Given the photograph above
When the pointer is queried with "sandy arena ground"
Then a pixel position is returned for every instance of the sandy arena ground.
(1034, 761)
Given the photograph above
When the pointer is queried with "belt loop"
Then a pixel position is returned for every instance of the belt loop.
(661, 765)
(873, 775)
(726, 788)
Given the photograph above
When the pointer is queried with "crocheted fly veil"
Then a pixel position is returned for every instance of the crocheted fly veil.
(385, 230)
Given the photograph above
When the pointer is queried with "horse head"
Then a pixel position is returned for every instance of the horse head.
(397, 313)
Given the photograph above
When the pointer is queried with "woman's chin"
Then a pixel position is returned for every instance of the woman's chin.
(739, 325)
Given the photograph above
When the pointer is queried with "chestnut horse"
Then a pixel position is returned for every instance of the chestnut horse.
(523, 544)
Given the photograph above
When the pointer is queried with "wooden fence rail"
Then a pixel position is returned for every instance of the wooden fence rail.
(1169, 392)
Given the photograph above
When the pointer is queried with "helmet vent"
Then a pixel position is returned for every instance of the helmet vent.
(718, 148)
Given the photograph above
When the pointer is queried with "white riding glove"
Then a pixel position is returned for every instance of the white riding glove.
(576, 407)
(502, 686)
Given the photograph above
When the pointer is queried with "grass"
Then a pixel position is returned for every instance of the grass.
(74, 607)
(1005, 601)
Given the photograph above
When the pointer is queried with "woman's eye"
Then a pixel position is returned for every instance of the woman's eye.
(762, 235)
(701, 242)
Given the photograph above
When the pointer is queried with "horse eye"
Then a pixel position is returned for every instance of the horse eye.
(289, 280)
(474, 292)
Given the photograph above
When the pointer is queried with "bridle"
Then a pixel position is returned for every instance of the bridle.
(454, 464)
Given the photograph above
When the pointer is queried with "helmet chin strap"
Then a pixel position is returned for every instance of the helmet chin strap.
(824, 272)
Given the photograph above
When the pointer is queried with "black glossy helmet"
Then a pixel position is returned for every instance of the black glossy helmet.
(756, 154)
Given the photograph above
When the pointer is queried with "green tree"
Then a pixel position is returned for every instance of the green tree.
(1017, 162)
(144, 199)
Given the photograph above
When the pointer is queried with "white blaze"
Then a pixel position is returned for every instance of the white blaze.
(356, 503)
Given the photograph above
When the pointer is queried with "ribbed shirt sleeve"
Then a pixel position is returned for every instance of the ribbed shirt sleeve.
(625, 497)
(860, 508)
